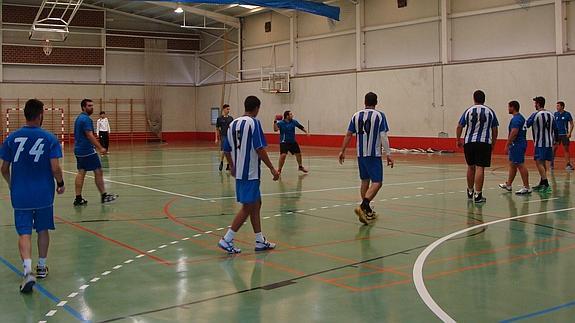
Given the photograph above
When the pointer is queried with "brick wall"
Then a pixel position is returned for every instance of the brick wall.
(64, 56)
(26, 15)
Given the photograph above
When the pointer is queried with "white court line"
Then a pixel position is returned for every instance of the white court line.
(342, 188)
(146, 188)
(418, 266)
(533, 201)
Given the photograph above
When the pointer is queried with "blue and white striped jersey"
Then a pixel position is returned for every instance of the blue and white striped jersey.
(368, 124)
(543, 126)
(478, 121)
(245, 136)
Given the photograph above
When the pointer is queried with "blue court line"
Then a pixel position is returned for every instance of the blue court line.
(45, 292)
(542, 312)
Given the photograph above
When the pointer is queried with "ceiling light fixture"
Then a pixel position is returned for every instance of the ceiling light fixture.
(179, 10)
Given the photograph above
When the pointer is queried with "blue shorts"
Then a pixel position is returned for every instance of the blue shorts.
(248, 191)
(370, 168)
(223, 142)
(88, 163)
(517, 153)
(543, 153)
(39, 219)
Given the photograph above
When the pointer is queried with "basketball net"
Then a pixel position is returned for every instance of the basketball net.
(47, 48)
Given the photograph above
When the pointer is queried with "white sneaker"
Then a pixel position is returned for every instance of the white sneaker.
(524, 191)
(265, 245)
(506, 187)
(27, 283)
(228, 246)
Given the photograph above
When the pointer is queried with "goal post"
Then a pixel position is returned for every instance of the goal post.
(54, 121)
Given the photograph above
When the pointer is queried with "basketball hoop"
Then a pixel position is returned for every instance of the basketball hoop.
(47, 47)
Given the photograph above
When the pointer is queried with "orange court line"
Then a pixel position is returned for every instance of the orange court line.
(478, 266)
(119, 243)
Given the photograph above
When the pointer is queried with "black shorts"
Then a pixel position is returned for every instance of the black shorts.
(562, 139)
(291, 147)
(478, 154)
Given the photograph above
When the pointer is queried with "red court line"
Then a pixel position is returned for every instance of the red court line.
(472, 267)
(439, 260)
(119, 243)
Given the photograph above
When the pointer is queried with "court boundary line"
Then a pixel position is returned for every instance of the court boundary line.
(46, 293)
(341, 188)
(420, 261)
(539, 313)
(145, 187)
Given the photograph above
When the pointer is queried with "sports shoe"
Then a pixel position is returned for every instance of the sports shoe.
(361, 215)
(221, 166)
(545, 189)
(80, 202)
(479, 198)
(265, 245)
(469, 194)
(109, 198)
(228, 246)
(371, 217)
(506, 187)
(302, 169)
(27, 283)
(41, 272)
(523, 191)
(569, 167)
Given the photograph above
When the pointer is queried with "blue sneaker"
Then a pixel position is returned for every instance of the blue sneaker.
(265, 245)
(228, 246)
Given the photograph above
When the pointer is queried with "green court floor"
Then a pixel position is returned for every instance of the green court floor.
(152, 256)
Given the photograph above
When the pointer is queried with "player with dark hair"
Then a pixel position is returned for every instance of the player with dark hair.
(480, 123)
(564, 122)
(370, 127)
(86, 156)
(245, 150)
(222, 125)
(542, 123)
(30, 165)
(515, 146)
(286, 127)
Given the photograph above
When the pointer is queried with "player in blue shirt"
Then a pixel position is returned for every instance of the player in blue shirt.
(245, 150)
(516, 146)
(542, 123)
(86, 156)
(480, 123)
(564, 123)
(29, 165)
(286, 127)
(370, 127)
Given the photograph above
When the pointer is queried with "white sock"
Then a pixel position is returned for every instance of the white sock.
(230, 235)
(42, 262)
(27, 266)
(260, 237)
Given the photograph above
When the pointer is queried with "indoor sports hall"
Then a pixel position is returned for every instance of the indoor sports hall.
(162, 70)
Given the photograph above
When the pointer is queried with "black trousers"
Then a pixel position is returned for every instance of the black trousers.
(104, 139)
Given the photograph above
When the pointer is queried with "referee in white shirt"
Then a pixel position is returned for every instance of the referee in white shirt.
(103, 130)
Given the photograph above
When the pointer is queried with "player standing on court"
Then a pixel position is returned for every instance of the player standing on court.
(286, 127)
(33, 154)
(222, 125)
(515, 147)
(86, 156)
(245, 150)
(542, 123)
(564, 132)
(370, 127)
(480, 123)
